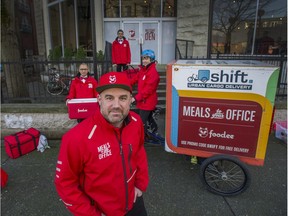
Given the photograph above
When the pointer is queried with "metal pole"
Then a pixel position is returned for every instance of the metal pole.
(211, 7)
(94, 47)
(255, 26)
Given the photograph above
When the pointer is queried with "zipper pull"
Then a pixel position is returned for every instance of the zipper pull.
(130, 148)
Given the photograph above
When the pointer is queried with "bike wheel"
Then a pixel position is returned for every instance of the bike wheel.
(225, 175)
(54, 88)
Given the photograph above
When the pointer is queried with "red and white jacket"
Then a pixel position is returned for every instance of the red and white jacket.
(147, 80)
(99, 166)
(80, 89)
(121, 53)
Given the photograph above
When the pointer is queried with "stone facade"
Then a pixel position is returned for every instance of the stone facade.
(192, 24)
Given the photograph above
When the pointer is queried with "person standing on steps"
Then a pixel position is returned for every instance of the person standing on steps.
(147, 80)
(121, 54)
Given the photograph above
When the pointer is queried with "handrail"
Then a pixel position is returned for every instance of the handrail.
(185, 44)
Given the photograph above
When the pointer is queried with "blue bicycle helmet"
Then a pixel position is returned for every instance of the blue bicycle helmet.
(149, 53)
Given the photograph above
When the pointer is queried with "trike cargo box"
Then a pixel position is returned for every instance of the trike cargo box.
(220, 107)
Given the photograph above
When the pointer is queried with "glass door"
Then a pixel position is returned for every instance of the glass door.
(142, 33)
(132, 34)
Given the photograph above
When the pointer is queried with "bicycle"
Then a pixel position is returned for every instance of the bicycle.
(152, 135)
(56, 83)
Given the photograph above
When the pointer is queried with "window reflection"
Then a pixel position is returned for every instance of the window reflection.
(84, 26)
(233, 27)
(68, 19)
(54, 16)
(111, 8)
(139, 8)
(169, 9)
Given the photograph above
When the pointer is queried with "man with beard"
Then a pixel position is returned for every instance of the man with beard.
(102, 164)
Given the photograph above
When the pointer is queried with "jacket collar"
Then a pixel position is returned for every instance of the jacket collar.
(106, 124)
(147, 66)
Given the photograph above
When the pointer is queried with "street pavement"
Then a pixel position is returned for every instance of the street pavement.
(175, 187)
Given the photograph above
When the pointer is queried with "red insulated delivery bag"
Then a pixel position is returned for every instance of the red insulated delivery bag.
(21, 143)
(4, 178)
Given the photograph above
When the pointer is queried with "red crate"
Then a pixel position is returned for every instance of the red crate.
(82, 108)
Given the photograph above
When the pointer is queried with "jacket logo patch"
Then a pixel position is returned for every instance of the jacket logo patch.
(90, 85)
(104, 151)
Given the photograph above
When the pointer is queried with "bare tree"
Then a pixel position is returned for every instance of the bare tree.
(228, 14)
(10, 51)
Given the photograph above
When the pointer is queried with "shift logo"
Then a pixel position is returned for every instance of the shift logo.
(203, 76)
(236, 80)
(206, 133)
(237, 76)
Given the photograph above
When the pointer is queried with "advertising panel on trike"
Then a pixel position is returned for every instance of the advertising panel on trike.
(221, 111)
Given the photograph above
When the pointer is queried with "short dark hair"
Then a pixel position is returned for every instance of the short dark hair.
(120, 30)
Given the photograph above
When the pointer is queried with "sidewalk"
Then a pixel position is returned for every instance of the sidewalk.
(175, 188)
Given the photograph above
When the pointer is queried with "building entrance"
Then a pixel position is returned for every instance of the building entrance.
(142, 33)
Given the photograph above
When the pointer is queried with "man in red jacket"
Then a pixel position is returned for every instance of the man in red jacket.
(83, 85)
(121, 55)
(102, 167)
(147, 80)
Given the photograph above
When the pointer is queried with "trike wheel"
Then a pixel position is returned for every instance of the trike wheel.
(54, 88)
(225, 175)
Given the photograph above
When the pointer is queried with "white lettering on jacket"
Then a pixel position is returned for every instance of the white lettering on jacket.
(104, 151)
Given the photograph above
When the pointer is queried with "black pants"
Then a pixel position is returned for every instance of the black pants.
(121, 67)
(138, 208)
(152, 123)
(144, 114)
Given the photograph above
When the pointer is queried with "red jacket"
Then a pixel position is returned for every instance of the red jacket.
(121, 53)
(148, 80)
(79, 89)
(98, 166)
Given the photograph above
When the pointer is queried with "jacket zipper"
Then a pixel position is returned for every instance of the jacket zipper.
(124, 170)
(129, 158)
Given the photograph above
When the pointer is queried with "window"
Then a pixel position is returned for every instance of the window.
(111, 8)
(233, 27)
(68, 19)
(84, 26)
(54, 16)
(136, 8)
(64, 35)
(169, 8)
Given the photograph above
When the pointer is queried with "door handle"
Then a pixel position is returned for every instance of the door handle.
(141, 41)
